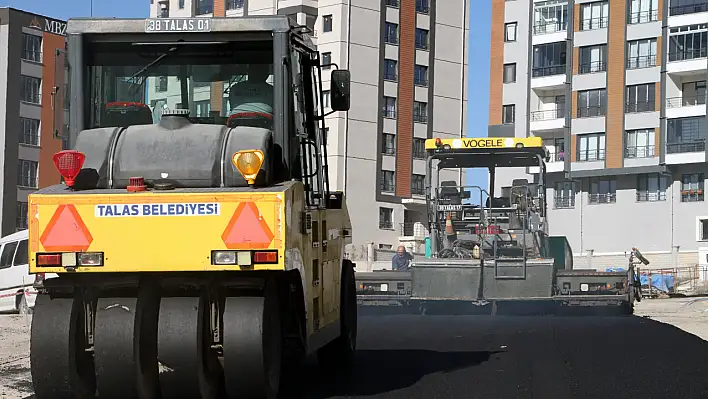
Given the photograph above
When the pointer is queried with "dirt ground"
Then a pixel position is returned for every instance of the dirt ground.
(688, 314)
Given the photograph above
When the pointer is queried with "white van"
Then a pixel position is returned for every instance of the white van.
(16, 291)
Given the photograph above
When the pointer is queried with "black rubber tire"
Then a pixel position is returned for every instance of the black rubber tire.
(125, 349)
(60, 367)
(339, 354)
(252, 346)
(189, 369)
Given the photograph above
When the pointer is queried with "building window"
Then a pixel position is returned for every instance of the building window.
(325, 98)
(651, 187)
(508, 114)
(684, 135)
(420, 112)
(388, 182)
(232, 4)
(510, 73)
(21, 217)
(592, 103)
(204, 7)
(385, 218)
(692, 187)
(593, 59)
(641, 53)
(420, 75)
(392, 3)
(640, 143)
(181, 4)
(326, 23)
(389, 107)
(30, 131)
(161, 84)
(418, 185)
(687, 7)
(594, 15)
(27, 173)
(390, 70)
(550, 16)
(549, 59)
(31, 48)
(418, 148)
(602, 191)
(388, 145)
(688, 42)
(640, 98)
(30, 89)
(510, 32)
(422, 6)
(421, 39)
(326, 60)
(642, 11)
(202, 107)
(591, 147)
(564, 195)
(391, 33)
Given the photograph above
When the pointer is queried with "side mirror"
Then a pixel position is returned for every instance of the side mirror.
(339, 90)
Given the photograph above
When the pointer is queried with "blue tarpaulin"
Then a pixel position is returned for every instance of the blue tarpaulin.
(661, 282)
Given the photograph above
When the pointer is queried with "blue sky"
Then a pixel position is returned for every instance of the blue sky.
(478, 106)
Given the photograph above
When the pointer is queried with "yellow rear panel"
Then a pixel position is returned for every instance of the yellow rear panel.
(156, 231)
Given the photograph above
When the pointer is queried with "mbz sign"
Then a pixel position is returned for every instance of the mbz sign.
(56, 27)
(50, 26)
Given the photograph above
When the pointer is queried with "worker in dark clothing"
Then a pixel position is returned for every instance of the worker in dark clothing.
(402, 259)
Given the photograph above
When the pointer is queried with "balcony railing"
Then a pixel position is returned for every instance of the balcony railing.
(420, 118)
(386, 224)
(391, 76)
(692, 195)
(388, 151)
(548, 115)
(388, 187)
(388, 113)
(687, 55)
(594, 23)
(592, 67)
(688, 9)
(685, 101)
(31, 98)
(234, 4)
(413, 229)
(633, 108)
(590, 155)
(551, 70)
(558, 157)
(392, 3)
(420, 82)
(639, 151)
(592, 111)
(606, 198)
(32, 55)
(641, 17)
(642, 61)
(648, 196)
(564, 202)
(691, 146)
(550, 27)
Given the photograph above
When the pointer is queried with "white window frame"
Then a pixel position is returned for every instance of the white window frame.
(699, 220)
(510, 28)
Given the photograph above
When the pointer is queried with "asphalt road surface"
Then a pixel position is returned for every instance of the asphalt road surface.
(408, 356)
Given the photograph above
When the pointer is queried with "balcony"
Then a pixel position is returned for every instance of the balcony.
(651, 196)
(642, 17)
(607, 198)
(32, 56)
(594, 23)
(642, 61)
(687, 62)
(548, 77)
(639, 151)
(552, 119)
(590, 155)
(592, 67)
(564, 202)
(592, 111)
(556, 163)
(413, 229)
(688, 9)
(692, 195)
(633, 108)
(686, 106)
(549, 32)
(686, 152)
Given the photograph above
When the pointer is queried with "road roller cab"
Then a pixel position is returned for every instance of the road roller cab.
(195, 238)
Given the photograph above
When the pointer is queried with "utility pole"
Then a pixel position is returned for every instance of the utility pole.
(91, 2)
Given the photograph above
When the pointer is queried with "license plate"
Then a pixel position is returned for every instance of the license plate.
(178, 25)
(450, 208)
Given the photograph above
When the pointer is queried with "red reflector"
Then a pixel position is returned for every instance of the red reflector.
(136, 184)
(49, 260)
(265, 257)
(39, 277)
(438, 142)
(69, 163)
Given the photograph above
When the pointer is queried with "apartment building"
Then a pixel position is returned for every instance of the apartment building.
(617, 90)
(28, 44)
(408, 63)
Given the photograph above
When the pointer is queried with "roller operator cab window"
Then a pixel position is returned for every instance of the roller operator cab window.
(221, 83)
